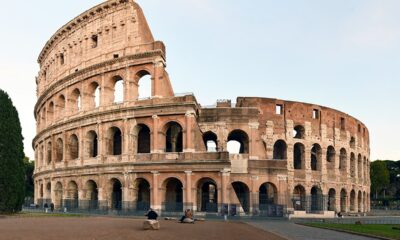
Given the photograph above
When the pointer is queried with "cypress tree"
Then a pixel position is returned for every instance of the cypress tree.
(12, 171)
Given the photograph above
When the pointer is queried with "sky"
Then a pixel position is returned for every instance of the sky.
(343, 54)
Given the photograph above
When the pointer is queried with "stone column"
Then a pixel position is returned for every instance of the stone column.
(188, 202)
(155, 199)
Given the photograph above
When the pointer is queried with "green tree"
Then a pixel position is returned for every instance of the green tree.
(12, 170)
(379, 177)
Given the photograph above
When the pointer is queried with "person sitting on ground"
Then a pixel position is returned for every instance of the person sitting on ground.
(188, 217)
(151, 215)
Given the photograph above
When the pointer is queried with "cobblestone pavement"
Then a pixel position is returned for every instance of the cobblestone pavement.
(292, 231)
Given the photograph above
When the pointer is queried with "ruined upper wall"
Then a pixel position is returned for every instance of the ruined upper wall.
(113, 29)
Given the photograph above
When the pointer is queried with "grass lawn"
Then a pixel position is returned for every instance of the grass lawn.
(381, 230)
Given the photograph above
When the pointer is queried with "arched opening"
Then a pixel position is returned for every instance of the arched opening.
(94, 94)
(210, 140)
(243, 195)
(75, 100)
(73, 147)
(330, 157)
(316, 199)
(58, 196)
(50, 112)
(332, 200)
(143, 139)
(343, 160)
(359, 203)
(116, 195)
(268, 195)
(343, 200)
(174, 138)
(235, 137)
(352, 165)
(59, 150)
(72, 201)
(92, 144)
(144, 84)
(316, 155)
(207, 195)
(114, 141)
(143, 195)
(280, 150)
(352, 201)
(299, 198)
(359, 166)
(92, 194)
(299, 132)
(298, 156)
(60, 105)
(49, 153)
(173, 195)
(118, 88)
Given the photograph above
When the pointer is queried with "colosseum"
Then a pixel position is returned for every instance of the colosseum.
(102, 145)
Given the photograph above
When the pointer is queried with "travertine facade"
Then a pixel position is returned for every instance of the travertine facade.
(168, 152)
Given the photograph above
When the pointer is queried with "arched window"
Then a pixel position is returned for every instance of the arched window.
(118, 89)
(174, 137)
(280, 150)
(299, 132)
(316, 154)
(144, 84)
(298, 156)
(59, 150)
(73, 146)
(115, 141)
(92, 144)
(210, 140)
(343, 160)
(238, 142)
(143, 145)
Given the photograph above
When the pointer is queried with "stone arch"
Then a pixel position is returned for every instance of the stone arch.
(73, 147)
(353, 207)
(299, 132)
(92, 195)
(330, 157)
(316, 157)
(75, 100)
(352, 165)
(59, 150)
(58, 195)
(299, 198)
(343, 160)
(142, 139)
(280, 150)
(343, 200)
(94, 94)
(299, 156)
(173, 137)
(173, 195)
(143, 80)
(114, 141)
(317, 200)
(207, 195)
(267, 195)
(72, 196)
(239, 138)
(243, 195)
(332, 200)
(143, 194)
(210, 140)
(92, 144)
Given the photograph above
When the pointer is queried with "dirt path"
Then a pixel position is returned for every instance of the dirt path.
(99, 228)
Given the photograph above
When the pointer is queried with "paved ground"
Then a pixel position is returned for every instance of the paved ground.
(292, 231)
(99, 228)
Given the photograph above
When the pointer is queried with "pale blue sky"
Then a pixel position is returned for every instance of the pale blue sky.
(343, 54)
